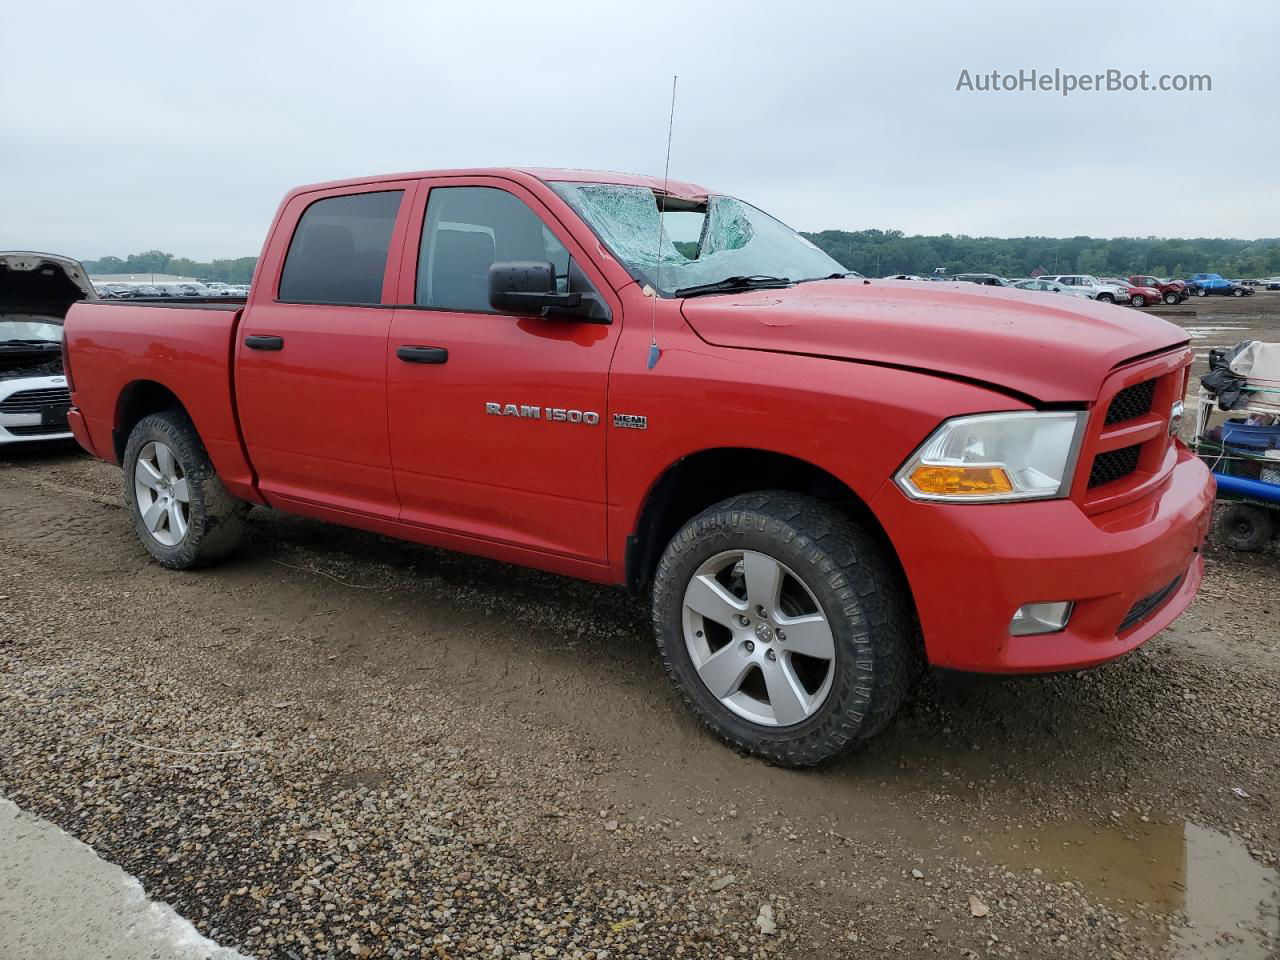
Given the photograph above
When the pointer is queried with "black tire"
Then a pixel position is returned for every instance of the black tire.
(216, 518)
(1171, 298)
(1201, 292)
(859, 590)
(1237, 292)
(1106, 298)
(1245, 527)
(1138, 300)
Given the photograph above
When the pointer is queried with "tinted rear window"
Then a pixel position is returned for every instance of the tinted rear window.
(339, 249)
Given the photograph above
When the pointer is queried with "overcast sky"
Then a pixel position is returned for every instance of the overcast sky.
(176, 126)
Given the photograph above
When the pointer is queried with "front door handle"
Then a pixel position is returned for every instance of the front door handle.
(412, 354)
(264, 342)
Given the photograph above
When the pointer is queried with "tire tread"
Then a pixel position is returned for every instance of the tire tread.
(855, 572)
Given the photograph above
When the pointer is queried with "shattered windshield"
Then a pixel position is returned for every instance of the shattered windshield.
(703, 241)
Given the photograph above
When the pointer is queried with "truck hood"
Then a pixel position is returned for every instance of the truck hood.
(1050, 348)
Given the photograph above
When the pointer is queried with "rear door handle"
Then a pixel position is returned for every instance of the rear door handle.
(264, 342)
(412, 354)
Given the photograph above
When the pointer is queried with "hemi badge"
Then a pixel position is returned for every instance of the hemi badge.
(632, 421)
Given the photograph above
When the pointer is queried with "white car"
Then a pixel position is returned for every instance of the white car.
(1091, 286)
(1050, 286)
(36, 290)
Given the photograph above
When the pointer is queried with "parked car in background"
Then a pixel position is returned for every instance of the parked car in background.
(1139, 295)
(985, 279)
(1050, 286)
(1171, 291)
(148, 290)
(36, 291)
(1092, 287)
(1207, 284)
(904, 276)
(1272, 283)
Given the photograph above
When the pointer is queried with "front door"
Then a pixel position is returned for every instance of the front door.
(311, 368)
(497, 421)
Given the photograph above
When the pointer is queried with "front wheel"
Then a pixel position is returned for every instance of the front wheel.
(182, 513)
(1138, 300)
(1237, 292)
(1201, 292)
(784, 626)
(1106, 298)
(1171, 298)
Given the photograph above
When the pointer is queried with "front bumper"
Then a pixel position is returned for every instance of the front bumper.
(34, 409)
(1129, 571)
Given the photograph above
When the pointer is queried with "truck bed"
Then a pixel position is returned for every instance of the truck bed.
(124, 350)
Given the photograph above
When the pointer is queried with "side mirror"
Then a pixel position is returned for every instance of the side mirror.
(527, 286)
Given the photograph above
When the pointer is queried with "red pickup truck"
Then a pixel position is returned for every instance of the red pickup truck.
(1171, 291)
(823, 481)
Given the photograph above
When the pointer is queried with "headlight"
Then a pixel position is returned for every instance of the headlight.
(994, 457)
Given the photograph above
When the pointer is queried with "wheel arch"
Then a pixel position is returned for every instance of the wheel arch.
(138, 399)
(696, 481)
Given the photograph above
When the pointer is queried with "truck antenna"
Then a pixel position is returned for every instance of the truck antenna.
(654, 352)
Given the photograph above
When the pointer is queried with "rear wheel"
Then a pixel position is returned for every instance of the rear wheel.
(1245, 526)
(1201, 292)
(784, 626)
(182, 513)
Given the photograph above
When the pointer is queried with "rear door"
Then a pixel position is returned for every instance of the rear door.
(311, 369)
(497, 421)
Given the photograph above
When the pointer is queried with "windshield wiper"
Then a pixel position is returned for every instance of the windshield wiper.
(729, 284)
(831, 276)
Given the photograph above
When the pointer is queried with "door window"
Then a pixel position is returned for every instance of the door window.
(467, 230)
(339, 249)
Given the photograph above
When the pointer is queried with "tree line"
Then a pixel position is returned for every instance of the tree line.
(237, 270)
(878, 253)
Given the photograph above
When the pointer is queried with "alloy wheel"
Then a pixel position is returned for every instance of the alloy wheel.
(163, 497)
(758, 638)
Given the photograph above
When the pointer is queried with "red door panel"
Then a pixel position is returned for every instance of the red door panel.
(314, 413)
(505, 440)
(525, 479)
(313, 406)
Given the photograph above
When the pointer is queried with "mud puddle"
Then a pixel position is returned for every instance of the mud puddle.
(1157, 870)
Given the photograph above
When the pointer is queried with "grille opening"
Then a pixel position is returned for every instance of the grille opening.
(1131, 402)
(1149, 604)
(34, 401)
(1114, 465)
(39, 429)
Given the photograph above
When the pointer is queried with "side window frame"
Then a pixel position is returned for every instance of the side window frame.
(286, 230)
(406, 287)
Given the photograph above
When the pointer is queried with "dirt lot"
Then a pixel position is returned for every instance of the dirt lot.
(340, 745)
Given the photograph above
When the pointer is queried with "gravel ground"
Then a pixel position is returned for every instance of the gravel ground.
(338, 745)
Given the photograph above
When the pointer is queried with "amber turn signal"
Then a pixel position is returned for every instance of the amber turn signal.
(962, 481)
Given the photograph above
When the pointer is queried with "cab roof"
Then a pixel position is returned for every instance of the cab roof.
(676, 188)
